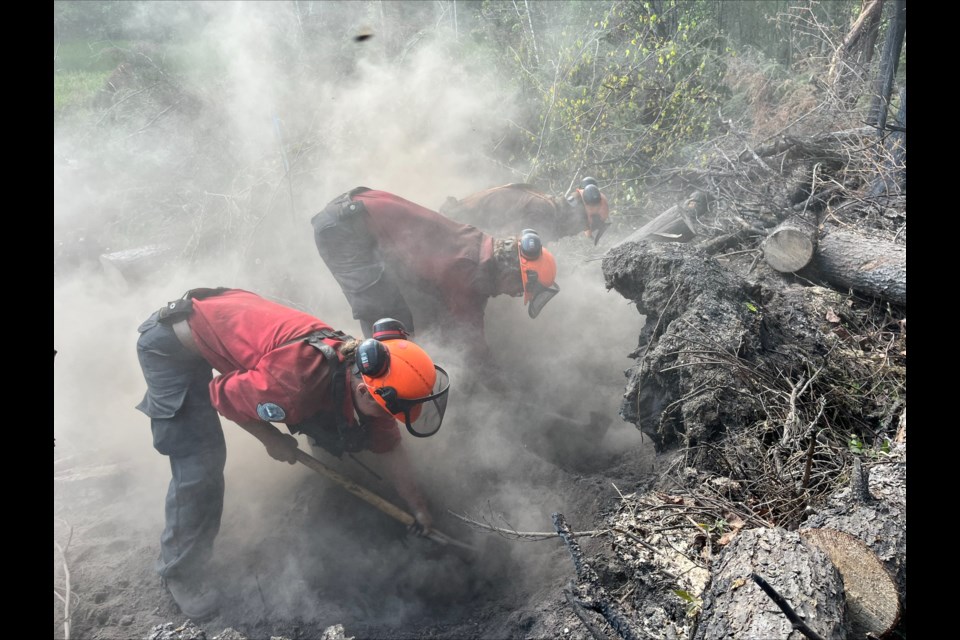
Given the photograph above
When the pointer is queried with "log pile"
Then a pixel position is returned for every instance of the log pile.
(770, 374)
(806, 220)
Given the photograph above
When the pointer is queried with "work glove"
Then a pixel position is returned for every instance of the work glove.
(422, 524)
(282, 447)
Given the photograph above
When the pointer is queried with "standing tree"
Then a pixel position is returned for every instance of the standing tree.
(856, 51)
(892, 178)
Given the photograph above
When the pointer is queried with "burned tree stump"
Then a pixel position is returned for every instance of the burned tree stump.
(734, 606)
(692, 305)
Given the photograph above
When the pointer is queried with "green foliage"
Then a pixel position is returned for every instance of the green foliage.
(718, 526)
(855, 444)
(885, 447)
(626, 86)
(613, 89)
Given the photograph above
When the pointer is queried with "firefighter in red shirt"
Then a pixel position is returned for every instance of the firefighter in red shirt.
(275, 365)
(376, 244)
(521, 205)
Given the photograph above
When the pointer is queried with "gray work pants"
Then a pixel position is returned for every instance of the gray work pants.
(186, 428)
(351, 253)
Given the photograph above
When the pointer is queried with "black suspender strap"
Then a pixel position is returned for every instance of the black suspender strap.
(316, 339)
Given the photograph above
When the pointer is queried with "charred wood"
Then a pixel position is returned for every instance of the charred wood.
(581, 613)
(889, 60)
(595, 596)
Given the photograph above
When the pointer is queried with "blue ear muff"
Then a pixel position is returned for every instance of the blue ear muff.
(372, 358)
(530, 245)
(591, 194)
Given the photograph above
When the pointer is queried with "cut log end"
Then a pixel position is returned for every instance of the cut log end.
(872, 601)
(788, 250)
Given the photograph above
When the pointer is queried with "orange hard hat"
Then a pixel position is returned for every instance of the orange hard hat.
(404, 381)
(538, 271)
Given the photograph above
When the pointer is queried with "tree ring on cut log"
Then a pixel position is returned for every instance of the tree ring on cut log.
(873, 604)
(790, 247)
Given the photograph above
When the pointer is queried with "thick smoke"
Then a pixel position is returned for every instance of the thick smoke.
(219, 168)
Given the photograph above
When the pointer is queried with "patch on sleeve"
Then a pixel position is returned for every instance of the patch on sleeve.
(270, 412)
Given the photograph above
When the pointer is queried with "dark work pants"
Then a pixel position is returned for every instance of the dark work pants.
(350, 252)
(186, 428)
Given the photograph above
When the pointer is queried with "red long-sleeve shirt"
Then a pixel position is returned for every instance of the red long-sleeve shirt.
(242, 336)
(509, 208)
(445, 257)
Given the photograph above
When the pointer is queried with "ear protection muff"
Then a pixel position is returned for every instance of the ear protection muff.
(530, 245)
(373, 359)
(591, 194)
(389, 329)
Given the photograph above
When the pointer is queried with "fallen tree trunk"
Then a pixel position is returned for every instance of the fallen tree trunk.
(864, 532)
(857, 262)
(734, 606)
(793, 243)
(861, 533)
(855, 52)
(872, 603)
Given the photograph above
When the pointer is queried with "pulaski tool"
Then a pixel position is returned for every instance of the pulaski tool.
(373, 499)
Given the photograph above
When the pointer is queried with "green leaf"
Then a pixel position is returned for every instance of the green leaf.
(855, 444)
(686, 596)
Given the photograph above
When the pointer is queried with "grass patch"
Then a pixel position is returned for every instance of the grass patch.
(73, 89)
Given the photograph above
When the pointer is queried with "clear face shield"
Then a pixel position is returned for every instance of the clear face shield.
(535, 294)
(422, 416)
(538, 294)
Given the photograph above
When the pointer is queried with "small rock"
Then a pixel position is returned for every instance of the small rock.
(169, 631)
(334, 632)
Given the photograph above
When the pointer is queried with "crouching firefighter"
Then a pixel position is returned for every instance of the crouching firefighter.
(273, 364)
(395, 258)
(511, 206)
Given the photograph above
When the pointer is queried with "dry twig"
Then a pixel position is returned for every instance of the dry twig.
(513, 534)
(65, 598)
